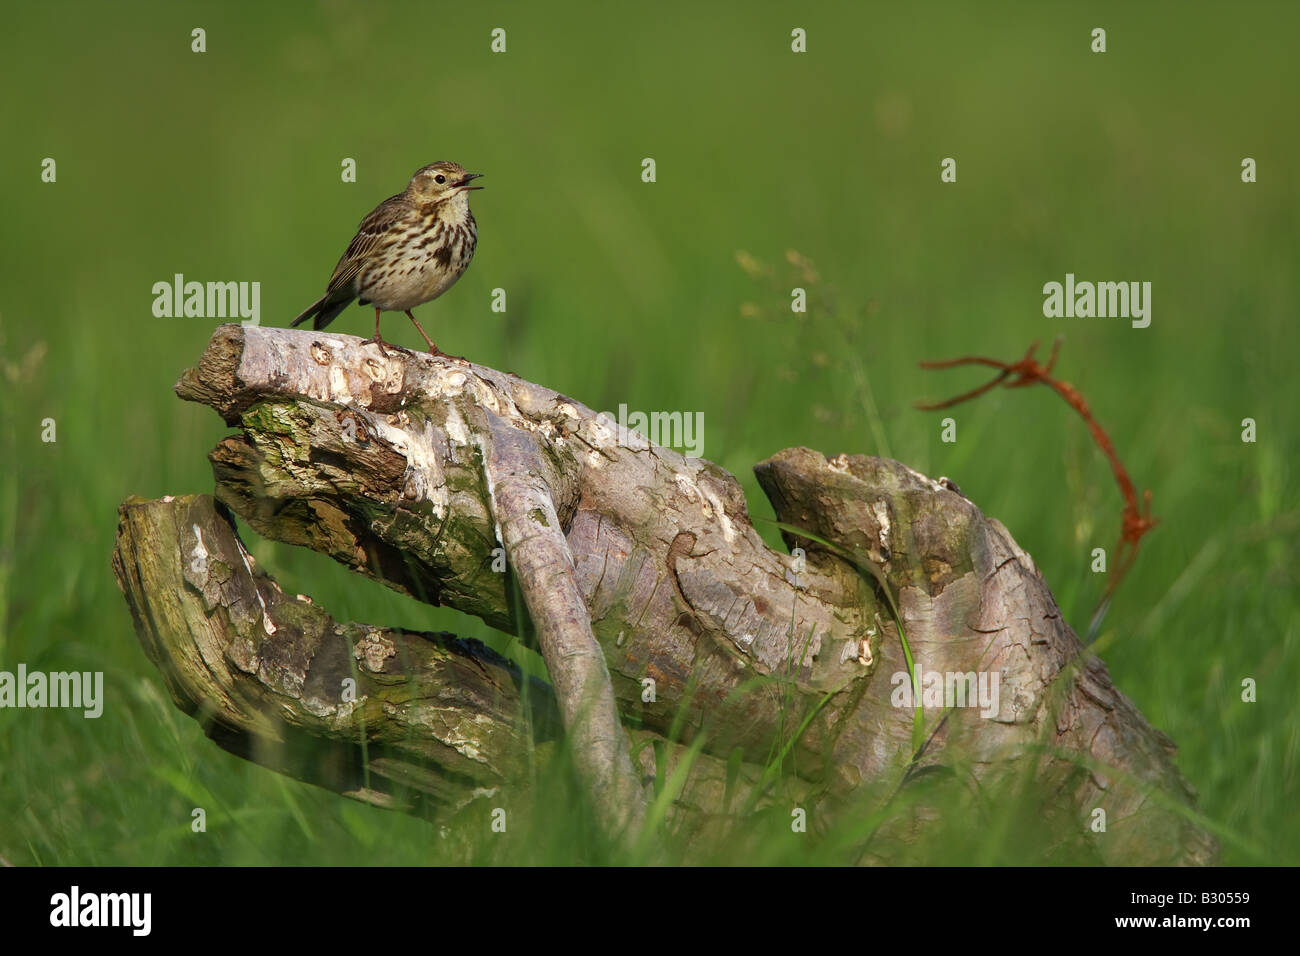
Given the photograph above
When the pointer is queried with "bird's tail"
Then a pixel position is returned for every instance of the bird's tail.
(324, 309)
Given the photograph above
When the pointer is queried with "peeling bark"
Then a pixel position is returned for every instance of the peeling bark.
(637, 564)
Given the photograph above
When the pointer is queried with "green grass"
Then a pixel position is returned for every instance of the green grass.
(225, 166)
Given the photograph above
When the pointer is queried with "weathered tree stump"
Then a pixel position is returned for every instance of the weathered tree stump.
(634, 564)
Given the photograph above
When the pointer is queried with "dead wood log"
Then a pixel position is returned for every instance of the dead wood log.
(430, 724)
(652, 598)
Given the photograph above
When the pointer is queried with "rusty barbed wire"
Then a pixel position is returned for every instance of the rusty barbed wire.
(1135, 521)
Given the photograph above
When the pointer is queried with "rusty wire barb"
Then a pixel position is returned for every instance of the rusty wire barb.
(1135, 522)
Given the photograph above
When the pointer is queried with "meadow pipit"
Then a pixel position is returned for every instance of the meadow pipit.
(407, 252)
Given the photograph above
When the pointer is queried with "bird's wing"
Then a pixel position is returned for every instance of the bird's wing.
(368, 237)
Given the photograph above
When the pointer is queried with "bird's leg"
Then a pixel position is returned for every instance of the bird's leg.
(433, 349)
(377, 340)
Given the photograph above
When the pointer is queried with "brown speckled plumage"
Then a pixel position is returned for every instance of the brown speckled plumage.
(409, 251)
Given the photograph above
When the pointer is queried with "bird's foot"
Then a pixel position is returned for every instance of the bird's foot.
(437, 352)
(377, 341)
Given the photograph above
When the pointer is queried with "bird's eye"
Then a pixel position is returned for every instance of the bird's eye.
(440, 179)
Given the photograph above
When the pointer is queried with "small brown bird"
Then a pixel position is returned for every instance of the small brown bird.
(409, 251)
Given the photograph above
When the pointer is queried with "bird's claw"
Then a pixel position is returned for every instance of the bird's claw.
(439, 353)
(379, 343)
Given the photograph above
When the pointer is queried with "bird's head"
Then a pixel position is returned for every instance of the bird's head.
(439, 181)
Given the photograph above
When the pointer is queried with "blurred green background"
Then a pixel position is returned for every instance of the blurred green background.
(226, 166)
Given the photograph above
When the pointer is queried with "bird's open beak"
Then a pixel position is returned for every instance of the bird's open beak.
(468, 176)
